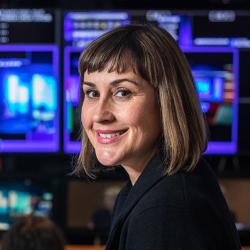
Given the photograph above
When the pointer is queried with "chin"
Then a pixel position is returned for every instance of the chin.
(108, 158)
(107, 162)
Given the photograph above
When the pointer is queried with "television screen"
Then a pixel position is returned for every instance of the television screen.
(29, 98)
(27, 26)
(82, 27)
(20, 198)
(221, 28)
(216, 82)
(228, 28)
(220, 32)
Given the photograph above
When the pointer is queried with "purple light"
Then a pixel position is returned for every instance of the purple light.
(185, 33)
(69, 145)
(221, 148)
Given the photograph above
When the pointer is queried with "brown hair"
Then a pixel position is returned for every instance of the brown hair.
(152, 53)
(33, 233)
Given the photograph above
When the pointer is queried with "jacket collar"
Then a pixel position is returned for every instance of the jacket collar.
(150, 176)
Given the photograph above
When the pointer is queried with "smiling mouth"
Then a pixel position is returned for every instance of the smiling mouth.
(109, 136)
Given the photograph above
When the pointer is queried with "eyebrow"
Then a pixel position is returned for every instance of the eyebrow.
(115, 82)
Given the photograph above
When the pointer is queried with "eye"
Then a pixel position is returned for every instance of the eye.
(91, 93)
(123, 92)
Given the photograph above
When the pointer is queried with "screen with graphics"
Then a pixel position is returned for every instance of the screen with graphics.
(216, 84)
(27, 26)
(216, 45)
(29, 86)
(29, 98)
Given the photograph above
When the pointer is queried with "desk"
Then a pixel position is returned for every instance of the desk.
(80, 247)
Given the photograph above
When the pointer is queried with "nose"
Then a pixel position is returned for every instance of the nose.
(103, 112)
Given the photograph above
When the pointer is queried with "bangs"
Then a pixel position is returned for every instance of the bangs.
(119, 60)
(120, 54)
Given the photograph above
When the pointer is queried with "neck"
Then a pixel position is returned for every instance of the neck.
(135, 169)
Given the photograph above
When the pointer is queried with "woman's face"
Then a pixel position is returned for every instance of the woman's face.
(121, 117)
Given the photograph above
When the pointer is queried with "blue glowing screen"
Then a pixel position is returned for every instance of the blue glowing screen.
(28, 100)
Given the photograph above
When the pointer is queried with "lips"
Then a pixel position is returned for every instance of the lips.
(109, 136)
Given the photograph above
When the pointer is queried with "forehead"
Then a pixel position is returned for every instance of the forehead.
(108, 77)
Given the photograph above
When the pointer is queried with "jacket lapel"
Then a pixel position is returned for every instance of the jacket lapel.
(150, 176)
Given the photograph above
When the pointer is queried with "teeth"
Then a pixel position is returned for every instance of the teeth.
(109, 135)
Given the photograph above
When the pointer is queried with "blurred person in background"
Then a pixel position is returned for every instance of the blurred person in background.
(33, 233)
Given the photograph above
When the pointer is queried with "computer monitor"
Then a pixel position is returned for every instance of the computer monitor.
(221, 28)
(28, 26)
(227, 28)
(216, 81)
(29, 84)
(29, 96)
(194, 30)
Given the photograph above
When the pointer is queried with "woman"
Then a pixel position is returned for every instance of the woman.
(140, 110)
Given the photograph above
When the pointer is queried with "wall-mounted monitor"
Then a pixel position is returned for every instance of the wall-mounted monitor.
(29, 96)
(199, 30)
(28, 26)
(215, 73)
(221, 28)
(82, 27)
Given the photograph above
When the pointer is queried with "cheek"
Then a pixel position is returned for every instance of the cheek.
(137, 116)
(131, 114)
(84, 116)
(149, 119)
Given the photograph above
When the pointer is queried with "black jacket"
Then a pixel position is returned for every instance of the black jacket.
(185, 211)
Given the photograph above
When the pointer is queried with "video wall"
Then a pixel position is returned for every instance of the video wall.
(34, 94)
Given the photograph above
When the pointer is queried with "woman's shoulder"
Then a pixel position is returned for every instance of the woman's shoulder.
(199, 185)
(202, 183)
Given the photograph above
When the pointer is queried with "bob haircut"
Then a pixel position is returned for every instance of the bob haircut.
(152, 53)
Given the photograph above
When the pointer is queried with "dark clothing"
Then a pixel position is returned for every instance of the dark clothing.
(185, 211)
